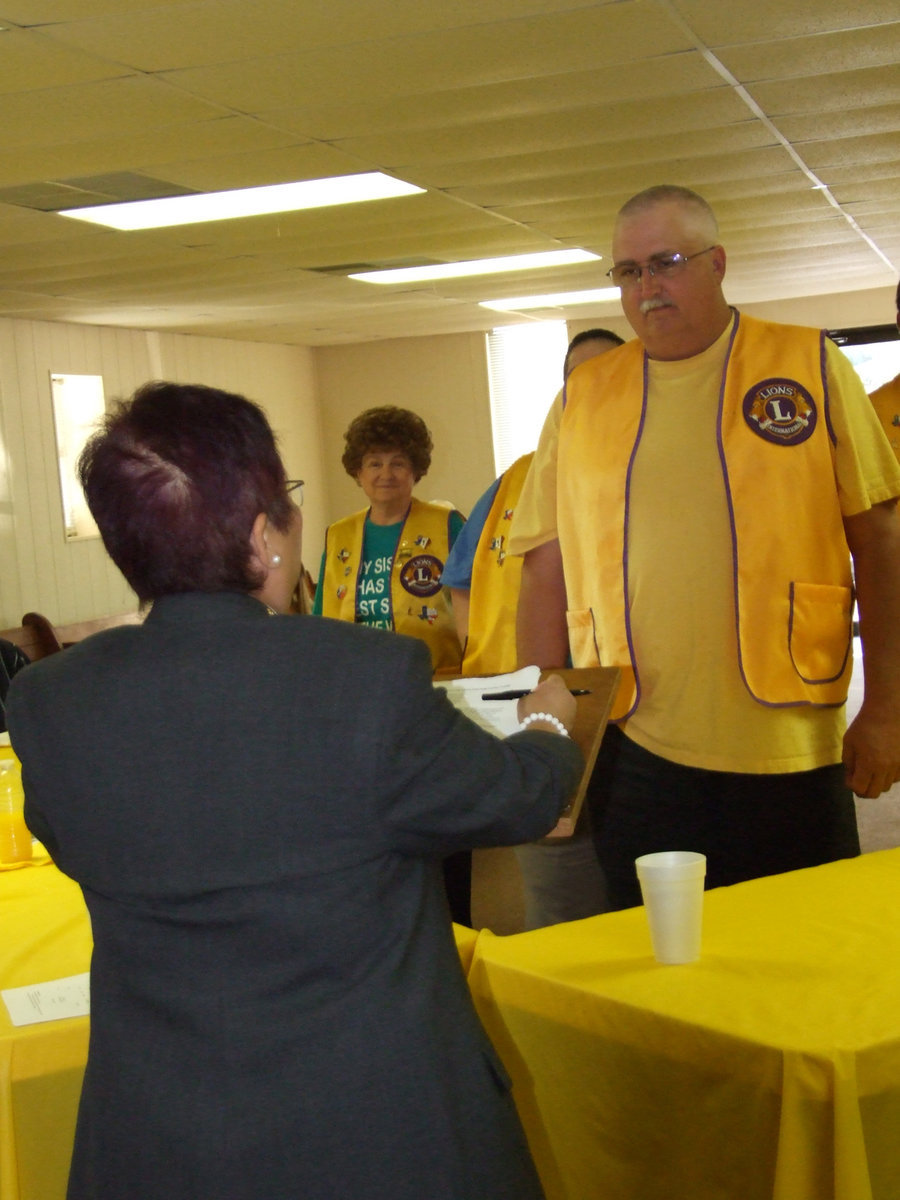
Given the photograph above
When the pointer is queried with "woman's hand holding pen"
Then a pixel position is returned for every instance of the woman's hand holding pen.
(552, 697)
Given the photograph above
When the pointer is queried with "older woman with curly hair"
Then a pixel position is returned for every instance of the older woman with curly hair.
(382, 566)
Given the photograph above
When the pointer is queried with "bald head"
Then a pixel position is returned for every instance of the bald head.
(674, 303)
(696, 210)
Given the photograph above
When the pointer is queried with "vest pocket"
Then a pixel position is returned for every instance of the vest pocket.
(582, 639)
(820, 633)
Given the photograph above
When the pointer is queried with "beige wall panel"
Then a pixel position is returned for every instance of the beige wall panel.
(11, 471)
(444, 379)
(75, 581)
(873, 307)
(279, 378)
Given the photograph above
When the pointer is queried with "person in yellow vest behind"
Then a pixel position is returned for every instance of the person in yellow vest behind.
(562, 880)
(382, 566)
(887, 401)
(482, 576)
(713, 479)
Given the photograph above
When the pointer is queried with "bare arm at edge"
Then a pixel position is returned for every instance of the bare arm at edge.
(541, 632)
(872, 742)
(459, 602)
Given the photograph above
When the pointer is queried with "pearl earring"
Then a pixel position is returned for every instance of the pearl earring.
(276, 559)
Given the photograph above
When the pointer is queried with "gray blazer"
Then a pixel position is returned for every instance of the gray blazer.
(256, 808)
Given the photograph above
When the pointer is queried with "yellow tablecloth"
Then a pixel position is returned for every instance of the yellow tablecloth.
(44, 934)
(768, 1070)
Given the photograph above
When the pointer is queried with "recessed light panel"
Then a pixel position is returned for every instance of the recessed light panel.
(552, 300)
(244, 202)
(479, 266)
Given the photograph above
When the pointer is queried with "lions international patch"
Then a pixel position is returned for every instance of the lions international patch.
(781, 411)
(422, 575)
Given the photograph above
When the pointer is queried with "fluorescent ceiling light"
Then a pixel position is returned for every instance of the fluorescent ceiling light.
(552, 300)
(244, 202)
(479, 266)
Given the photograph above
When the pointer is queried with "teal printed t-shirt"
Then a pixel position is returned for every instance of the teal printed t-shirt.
(373, 591)
(373, 587)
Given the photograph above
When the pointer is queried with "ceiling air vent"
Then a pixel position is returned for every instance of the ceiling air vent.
(386, 265)
(51, 195)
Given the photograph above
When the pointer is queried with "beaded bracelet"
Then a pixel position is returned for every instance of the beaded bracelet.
(555, 721)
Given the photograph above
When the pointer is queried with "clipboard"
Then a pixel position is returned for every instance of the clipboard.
(591, 717)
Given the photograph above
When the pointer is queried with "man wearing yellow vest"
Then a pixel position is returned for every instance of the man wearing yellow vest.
(562, 880)
(887, 401)
(709, 483)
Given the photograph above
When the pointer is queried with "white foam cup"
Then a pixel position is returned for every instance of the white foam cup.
(672, 887)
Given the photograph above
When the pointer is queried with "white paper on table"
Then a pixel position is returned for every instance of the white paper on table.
(496, 716)
(51, 1001)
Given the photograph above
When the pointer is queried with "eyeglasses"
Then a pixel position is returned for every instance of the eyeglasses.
(626, 275)
(295, 485)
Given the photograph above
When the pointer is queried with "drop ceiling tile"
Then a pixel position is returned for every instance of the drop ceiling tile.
(148, 149)
(271, 156)
(841, 151)
(831, 92)
(666, 76)
(601, 159)
(694, 172)
(837, 233)
(206, 33)
(885, 190)
(83, 112)
(785, 208)
(575, 128)
(837, 176)
(769, 20)
(51, 12)
(855, 122)
(579, 40)
(817, 55)
(28, 61)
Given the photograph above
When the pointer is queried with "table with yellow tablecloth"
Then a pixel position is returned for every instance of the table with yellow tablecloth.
(768, 1070)
(45, 935)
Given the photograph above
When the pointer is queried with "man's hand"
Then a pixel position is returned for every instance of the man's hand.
(872, 743)
(872, 753)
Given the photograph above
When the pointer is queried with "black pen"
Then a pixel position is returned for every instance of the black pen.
(517, 695)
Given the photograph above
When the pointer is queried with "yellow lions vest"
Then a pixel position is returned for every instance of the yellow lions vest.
(791, 566)
(419, 606)
(496, 576)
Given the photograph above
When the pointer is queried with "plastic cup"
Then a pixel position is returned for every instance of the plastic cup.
(672, 887)
(15, 839)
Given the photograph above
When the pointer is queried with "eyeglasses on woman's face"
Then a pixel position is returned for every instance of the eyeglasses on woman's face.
(294, 488)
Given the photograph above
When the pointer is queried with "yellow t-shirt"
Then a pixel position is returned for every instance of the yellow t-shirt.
(887, 405)
(694, 707)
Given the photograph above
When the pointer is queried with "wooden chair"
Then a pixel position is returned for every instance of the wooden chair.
(304, 593)
(38, 636)
(68, 635)
(35, 636)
